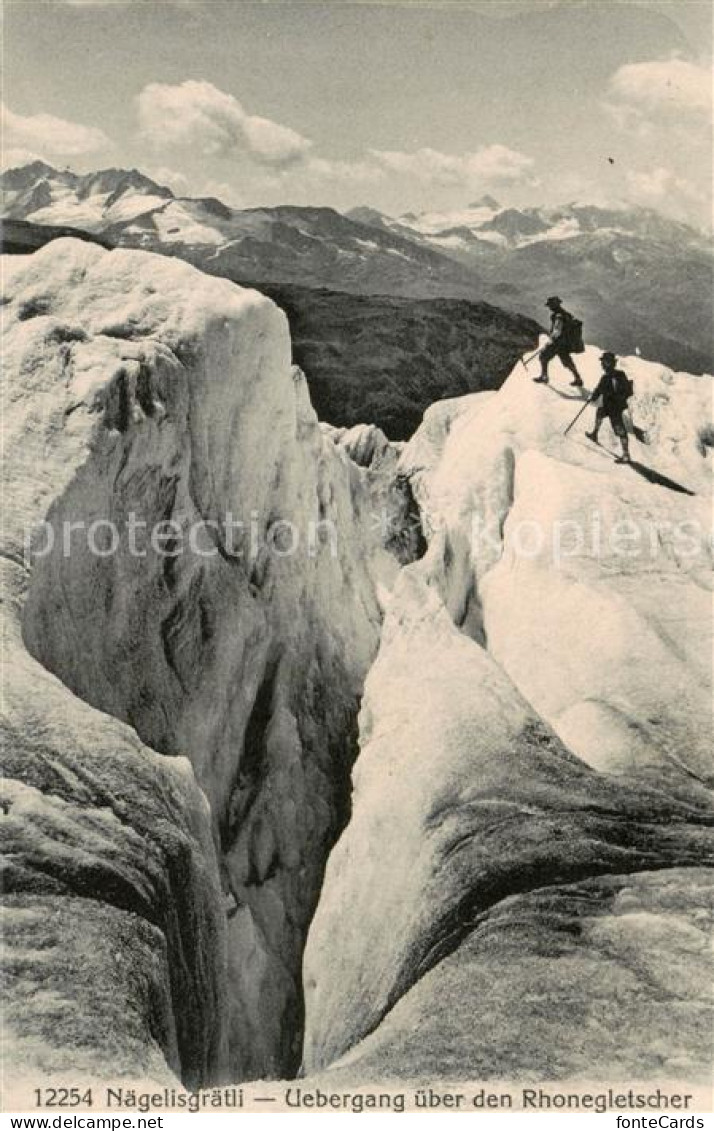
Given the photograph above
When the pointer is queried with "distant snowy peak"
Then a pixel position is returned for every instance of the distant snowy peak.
(486, 201)
(366, 215)
(435, 223)
(46, 195)
(26, 176)
(486, 220)
(182, 220)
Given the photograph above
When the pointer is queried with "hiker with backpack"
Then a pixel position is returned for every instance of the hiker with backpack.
(615, 388)
(565, 340)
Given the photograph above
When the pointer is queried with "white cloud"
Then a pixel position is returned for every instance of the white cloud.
(364, 172)
(498, 164)
(651, 185)
(182, 184)
(178, 182)
(14, 158)
(660, 186)
(424, 164)
(660, 88)
(123, 3)
(490, 165)
(45, 135)
(223, 191)
(198, 115)
(666, 106)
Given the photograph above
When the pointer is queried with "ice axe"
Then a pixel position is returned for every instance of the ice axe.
(528, 360)
(577, 416)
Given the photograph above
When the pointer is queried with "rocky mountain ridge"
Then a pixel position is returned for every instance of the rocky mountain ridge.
(92, 201)
(487, 220)
(641, 282)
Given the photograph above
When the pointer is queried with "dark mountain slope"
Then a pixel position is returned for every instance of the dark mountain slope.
(385, 360)
(21, 237)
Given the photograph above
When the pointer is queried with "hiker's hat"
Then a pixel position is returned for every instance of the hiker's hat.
(553, 301)
(608, 355)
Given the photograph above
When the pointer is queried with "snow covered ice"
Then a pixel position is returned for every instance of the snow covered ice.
(535, 749)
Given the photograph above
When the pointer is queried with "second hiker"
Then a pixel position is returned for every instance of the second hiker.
(563, 328)
(615, 388)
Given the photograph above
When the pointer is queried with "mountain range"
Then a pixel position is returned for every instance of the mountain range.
(307, 246)
(640, 282)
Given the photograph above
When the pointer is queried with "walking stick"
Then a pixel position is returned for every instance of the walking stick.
(530, 359)
(577, 417)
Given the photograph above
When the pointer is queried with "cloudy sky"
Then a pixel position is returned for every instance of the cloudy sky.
(402, 105)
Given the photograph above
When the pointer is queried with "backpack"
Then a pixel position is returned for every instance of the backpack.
(572, 333)
(623, 387)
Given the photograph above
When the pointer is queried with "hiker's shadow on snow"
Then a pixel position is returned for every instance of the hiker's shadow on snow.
(582, 396)
(653, 476)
